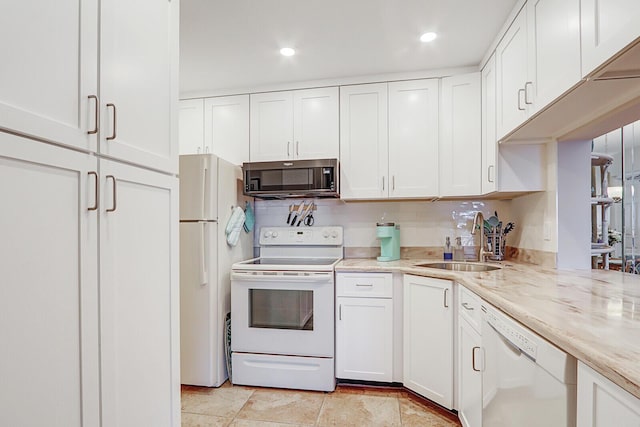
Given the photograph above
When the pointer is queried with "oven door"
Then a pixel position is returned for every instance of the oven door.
(288, 313)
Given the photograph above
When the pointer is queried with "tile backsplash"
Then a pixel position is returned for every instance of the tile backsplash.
(422, 223)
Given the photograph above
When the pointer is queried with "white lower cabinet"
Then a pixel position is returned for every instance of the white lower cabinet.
(364, 326)
(89, 295)
(602, 403)
(49, 291)
(428, 338)
(139, 297)
(469, 382)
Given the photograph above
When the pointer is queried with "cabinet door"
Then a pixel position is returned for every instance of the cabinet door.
(139, 297)
(428, 338)
(364, 339)
(607, 27)
(602, 403)
(469, 375)
(315, 118)
(226, 128)
(364, 142)
(511, 73)
(461, 136)
(49, 292)
(191, 126)
(553, 49)
(138, 82)
(489, 140)
(271, 130)
(49, 69)
(413, 138)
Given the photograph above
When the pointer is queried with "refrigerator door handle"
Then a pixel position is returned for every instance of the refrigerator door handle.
(203, 255)
(204, 189)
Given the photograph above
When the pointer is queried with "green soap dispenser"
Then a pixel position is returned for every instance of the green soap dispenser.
(389, 235)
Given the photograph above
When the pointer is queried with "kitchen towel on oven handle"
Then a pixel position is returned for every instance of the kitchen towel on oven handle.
(234, 226)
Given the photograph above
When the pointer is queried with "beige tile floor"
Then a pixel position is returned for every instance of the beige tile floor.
(239, 406)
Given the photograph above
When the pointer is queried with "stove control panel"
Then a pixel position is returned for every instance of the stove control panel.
(307, 236)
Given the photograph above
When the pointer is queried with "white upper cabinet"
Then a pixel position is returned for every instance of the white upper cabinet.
(49, 71)
(191, 126)
(607, 27)
(537, 60)
(271, 127)
(460, 136)
(364, 142)
(226, 128)
(300, 124)
(553, 50)
(413, 138)
(138, 82)
(489, 140)
(511, 73)
(315, 123)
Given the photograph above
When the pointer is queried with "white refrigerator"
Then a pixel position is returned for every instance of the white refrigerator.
(209, 190)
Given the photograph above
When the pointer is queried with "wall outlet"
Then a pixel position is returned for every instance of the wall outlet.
(546, 231)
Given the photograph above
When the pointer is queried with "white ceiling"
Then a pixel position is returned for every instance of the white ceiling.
(226, 44)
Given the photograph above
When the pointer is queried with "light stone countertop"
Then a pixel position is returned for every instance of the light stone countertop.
(593, 315)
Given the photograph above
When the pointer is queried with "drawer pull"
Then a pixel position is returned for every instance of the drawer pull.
(467, 306)
(365, 284)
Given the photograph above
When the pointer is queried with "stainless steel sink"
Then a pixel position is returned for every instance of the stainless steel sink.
(460, 266)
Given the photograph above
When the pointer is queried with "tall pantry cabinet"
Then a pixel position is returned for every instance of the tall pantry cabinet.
(89, 294)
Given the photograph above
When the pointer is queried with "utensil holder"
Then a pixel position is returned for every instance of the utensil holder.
(496, 243)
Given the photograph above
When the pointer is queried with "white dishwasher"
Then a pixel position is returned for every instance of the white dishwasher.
(526, 381)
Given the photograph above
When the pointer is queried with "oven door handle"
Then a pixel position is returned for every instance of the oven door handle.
(289, 278)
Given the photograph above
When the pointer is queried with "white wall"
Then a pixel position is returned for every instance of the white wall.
(536, 214)
(422, 223)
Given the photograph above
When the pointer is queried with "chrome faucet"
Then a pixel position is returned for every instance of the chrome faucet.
(478, 223)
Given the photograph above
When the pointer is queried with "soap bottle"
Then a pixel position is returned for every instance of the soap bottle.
(458, 250)
(448, 255)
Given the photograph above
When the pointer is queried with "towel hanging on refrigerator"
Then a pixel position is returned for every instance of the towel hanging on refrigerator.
(234, 226)
(250, 218)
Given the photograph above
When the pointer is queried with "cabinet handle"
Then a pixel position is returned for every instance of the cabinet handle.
(96, 191)
(198, 150)
(288, 144)
(115, 123)
(96, 116)
(473, 358)
(467, 306)
(489, 169)
(364, 284)
(526, 93)
(340, 312)
(520, 106)
(393, 182)
(297, 148)
(446, 303)
(383, 183)
(115, 197)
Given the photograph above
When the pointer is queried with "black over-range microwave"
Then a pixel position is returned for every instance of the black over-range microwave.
(291, 178)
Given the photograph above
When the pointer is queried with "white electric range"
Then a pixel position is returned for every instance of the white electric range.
(282, 310)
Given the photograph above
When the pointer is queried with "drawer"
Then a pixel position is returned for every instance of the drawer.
(469, 307)
(363, 285)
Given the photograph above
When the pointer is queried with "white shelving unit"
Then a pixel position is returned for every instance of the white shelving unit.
(601, 200)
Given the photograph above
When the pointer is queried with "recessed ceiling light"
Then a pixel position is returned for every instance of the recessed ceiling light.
(428, 37)
(287, 51)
